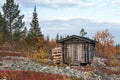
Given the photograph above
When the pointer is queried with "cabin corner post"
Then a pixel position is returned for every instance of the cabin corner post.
(63, 57)
(94, 54)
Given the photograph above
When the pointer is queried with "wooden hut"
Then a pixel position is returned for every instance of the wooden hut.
(80, 49)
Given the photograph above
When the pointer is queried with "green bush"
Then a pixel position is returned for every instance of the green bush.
(69, 60)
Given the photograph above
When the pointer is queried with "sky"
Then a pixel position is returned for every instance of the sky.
(101, 11)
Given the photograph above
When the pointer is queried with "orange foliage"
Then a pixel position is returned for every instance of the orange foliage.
(113, 62)
(12, 54)
(105, 46)
(118, 49)
(42, 50)
(0, 36)
(43, 44)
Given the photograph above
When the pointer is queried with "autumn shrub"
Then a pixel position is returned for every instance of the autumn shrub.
(105, 44)
(68, 59)
(90, 68)
(29, 53)
(113, 62)
(12, 54)
(1, 59)
(11, 75)
(74, 78)
(62, 65)
(0, 36)
(40, 56)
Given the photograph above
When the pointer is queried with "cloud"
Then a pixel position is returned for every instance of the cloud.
(73, 26)
(116, 11)
(2, 2)
(116, 2)
(56, 3)
(64, 3)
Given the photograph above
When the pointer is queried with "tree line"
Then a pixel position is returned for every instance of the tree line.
(12, 27)
(13, 30)
(14, 33)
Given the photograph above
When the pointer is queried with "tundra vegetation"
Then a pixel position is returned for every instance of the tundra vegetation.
(17, 41)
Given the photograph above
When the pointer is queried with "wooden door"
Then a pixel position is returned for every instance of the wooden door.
(75, 52)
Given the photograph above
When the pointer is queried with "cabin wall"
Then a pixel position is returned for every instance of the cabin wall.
(92, 51)
(85, 53)
(69, 48)
(72, 51)
(78, 51)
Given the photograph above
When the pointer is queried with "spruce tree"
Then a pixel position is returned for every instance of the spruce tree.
(48, 39)
(13, 20)
(3, 30)
(57, 37)
(35, 30)
(82, 32)
(24, 33)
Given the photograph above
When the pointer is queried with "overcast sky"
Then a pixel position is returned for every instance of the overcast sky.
(99, 10)
(94, 10)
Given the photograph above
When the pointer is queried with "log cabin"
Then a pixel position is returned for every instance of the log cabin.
(80, 49)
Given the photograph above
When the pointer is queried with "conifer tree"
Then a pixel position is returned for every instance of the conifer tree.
(13, 20)
(57, 37)
(3, 30)
(82, 32)
(35, 30)
(24, 35)
(48, 39)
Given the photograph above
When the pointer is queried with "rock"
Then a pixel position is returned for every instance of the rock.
(118, 78)
(23, 63)
(1, 64)
(99, 62)
(68, 67)
(111, 77)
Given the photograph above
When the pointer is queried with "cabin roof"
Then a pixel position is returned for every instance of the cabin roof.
(77, 37)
